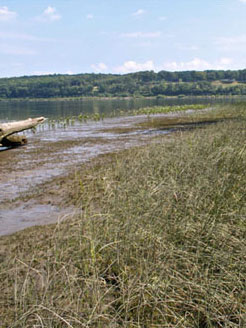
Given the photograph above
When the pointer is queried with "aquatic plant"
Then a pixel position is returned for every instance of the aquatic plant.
(83, 118)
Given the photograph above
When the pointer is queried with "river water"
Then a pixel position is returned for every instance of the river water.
(54, 152)
(19, 110)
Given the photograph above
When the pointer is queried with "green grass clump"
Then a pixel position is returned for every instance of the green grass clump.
(166, 109)
(160, 241)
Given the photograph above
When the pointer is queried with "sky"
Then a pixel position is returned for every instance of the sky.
(40, 37)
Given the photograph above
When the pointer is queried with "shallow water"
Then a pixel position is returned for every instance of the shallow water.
(19, 110)
(29, 214)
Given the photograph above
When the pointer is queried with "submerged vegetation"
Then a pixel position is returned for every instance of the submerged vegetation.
(71, 120)
(144, 84)
(159, 241)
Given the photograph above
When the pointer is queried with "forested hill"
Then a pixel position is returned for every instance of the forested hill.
(149, 83)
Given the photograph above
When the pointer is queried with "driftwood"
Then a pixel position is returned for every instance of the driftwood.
(14, 141)
(8, 129)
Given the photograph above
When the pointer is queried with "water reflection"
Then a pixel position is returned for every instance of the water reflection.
(18, 110)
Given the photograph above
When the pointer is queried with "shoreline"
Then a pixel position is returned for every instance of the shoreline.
(119, 98)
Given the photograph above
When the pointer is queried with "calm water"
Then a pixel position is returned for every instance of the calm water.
(17, 110)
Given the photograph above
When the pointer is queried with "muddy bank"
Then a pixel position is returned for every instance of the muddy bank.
(32, 190)
(35, 179)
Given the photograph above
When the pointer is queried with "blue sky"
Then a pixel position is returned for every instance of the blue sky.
(120, 36)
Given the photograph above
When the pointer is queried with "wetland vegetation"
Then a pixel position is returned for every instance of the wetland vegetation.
(159, 240)
(149, 111)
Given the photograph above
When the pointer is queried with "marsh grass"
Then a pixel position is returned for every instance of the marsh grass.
(160, 241)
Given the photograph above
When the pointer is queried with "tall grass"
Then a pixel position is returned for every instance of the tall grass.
(160, 241)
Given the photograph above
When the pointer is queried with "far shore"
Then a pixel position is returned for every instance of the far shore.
(124, 98)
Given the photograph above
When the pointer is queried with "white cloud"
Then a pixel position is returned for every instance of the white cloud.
(100, 67)
(6, 15)
(137, 35)
(197, 64)
(139, 12)
(49, 15)
(132, 66)
(162, 18)
(244, 1)
(89, 16)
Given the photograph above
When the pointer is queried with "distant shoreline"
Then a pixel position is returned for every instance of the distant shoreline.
(117, 98)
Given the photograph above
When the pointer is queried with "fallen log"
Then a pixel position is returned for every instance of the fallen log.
(8, 129)
(14, 141)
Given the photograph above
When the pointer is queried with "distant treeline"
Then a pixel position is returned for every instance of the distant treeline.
(148, 83)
